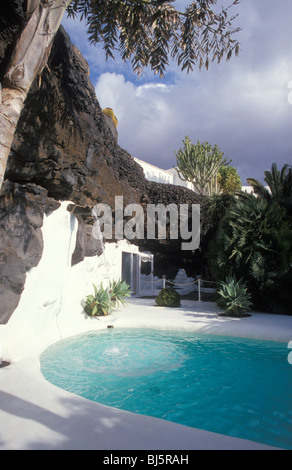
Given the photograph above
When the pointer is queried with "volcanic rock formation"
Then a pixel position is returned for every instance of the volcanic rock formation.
(65, 150)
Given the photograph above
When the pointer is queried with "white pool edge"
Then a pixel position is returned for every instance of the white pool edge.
(35, 414)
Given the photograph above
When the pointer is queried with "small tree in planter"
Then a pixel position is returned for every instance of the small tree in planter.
(234, 297)
(168, 297)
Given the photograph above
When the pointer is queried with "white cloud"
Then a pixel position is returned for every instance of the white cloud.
(142, 111)
(241, 105)
(244, 112)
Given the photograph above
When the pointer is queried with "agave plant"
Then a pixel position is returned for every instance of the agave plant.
(99, 304)
(105, 300)
(118, 290)
(234, 297)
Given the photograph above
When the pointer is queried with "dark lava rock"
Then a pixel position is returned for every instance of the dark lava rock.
(64, 149)
(22, 210)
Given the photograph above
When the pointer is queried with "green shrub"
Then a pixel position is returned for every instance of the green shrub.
(99, 304)
(168, 297)
(234, 297)
(254, 242)
(105, 300)
(118, 290)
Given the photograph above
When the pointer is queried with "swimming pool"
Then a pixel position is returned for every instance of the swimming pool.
(233, 386)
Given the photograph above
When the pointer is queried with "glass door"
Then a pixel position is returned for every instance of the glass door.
(137, 271)
(145, 275)
(127, 269)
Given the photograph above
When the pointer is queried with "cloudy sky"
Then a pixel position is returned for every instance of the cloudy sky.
(241, 105)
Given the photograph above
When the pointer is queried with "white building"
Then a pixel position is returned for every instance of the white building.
(153, 173)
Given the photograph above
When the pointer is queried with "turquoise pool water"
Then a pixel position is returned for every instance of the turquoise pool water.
(233, 386)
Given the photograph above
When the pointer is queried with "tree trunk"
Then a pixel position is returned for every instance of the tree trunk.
(28, 60)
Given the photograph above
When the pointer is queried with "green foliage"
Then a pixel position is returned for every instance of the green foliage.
(150, 32)
(280, 185)
(228, 179)
(105, 300)
(100, 303)
(216, 206)
(118, 290)
(168, 297)
(254, 241)
(234, 297)
(199, 164)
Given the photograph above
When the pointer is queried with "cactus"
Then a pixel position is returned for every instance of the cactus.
(109, 112)
(199, 165)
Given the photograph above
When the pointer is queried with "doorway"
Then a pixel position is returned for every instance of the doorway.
(137, 271)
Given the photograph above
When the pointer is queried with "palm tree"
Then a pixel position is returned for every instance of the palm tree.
(254, 242)
(279, 183)
(215, 207)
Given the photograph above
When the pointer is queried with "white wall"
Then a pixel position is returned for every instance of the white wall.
(51, 305)
(177, 181)
(249, 189)
(153, 173)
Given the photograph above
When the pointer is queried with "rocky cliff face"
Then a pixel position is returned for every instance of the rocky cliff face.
(22, 209)
(63, 142)
(65, 150)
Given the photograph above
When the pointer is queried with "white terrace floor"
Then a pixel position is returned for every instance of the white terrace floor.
(34, 414)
